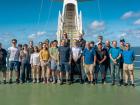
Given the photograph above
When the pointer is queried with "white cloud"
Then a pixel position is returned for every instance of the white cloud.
(137, 22)
(130, 14)
(37, 34)
(98, 25)
(40, 33)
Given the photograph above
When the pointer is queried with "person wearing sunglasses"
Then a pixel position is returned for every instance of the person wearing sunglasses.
(13, 55)
(128, 65)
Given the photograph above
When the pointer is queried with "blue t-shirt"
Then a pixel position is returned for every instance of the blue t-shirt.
(89, 55)
(128, 56)
(64, 52)
(115, 52)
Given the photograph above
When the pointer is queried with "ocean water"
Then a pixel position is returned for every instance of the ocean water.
(137, 53)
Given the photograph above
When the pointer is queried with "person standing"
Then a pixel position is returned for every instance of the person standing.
(54, 60)
(31, 51)
(3, 55)
(122, 47)
(13, 55)
(44, 60)
(65, 37)
(100, 40)
(25, 64)
(89, 61)
(64, 61)
(76, 54)
(128, 66)
(82, 42)
(100, 65)
(107, 62)
(115, 55)
(35, 64)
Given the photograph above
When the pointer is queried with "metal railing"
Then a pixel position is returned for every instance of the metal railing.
(137, 66)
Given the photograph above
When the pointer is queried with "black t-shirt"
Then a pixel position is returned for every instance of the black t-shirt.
(100, 55)
(3, 55)
(64, 52)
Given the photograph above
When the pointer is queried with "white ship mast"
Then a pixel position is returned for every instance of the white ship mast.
(69, 20)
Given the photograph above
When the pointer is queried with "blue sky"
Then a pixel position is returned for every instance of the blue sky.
(111, 18)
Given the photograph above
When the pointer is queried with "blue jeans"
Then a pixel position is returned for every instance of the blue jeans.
(115, 72)
(25, 72)
(13, 65)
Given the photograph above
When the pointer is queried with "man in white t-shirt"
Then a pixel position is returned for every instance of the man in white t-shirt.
(13, 53)
(76, 53)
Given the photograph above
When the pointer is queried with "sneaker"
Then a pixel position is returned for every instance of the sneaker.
(103, 82)
(113, 83)
(4, 81)
(10, 81)
(68, 82)
(17, 81)
(53, 82)
(58, 81)
(133, 85)
(61, 83)
(125, 84)
(38, 81)
(34, 81)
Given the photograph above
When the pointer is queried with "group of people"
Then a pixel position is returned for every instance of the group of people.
(68, 62)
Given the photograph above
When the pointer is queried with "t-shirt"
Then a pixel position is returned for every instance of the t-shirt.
(89, 55)
(76, 53)
(115, 52)
(25, 57)
(128, 56)
(3, 55)
(100, 55)
(54, 52)
(44, 55)
(35, 60)
(64, 53)
(13, 53)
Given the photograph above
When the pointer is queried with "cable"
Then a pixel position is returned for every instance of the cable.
(99, 9)
(39, 15)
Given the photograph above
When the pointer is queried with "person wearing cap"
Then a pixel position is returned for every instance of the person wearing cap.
(100, 40)
(128, 65)
(115, 55)
(89, 62)
(100, 65)
(76, 54)
(3, 55)
(122, 47)
(13, 55)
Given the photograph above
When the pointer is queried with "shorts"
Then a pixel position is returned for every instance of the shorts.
(44, 63)
(100, 68)
(65, 67)
(14, 65)
(89, 68)
(128, 67)
(3, 68)
(54, 65)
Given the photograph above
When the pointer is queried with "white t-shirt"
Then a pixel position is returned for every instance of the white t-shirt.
(76, 53)
(35, 60)
(13, 53)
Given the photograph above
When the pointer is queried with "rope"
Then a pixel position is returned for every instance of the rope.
(99, 9)
(39, 15)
